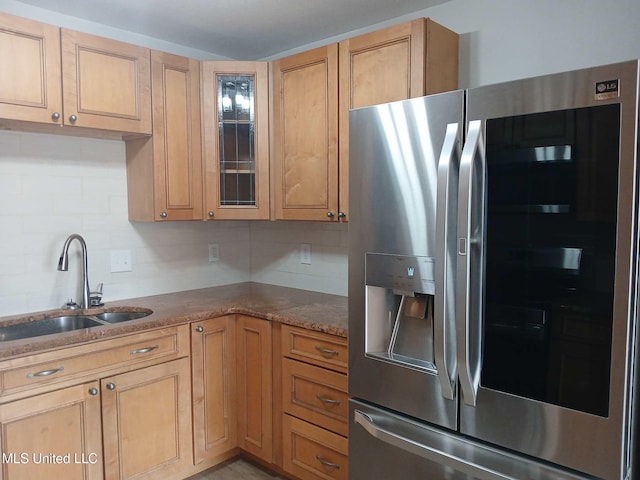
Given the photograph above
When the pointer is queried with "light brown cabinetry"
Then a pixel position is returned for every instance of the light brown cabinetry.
(254, 367)
(164, 173)
(403, 61)
(120, 407)
(313, 453)
(235, 123)
(314, 404)
(147, 422)
(57, 76)
(53, 435)
(305, 135)
(106, 83)
(213, 363)
(30, 71)
(407, 60)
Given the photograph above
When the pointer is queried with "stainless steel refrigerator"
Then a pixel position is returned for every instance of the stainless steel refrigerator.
(493, 281)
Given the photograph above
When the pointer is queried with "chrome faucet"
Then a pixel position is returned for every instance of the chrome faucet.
(63, 266)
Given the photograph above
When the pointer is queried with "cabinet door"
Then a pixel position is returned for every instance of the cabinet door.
(254, 362)
(235, 103)
(305, 116)
(213, 364)
(107, 84)
(177, 154)
(164, 173)
(54, 435)
(147, 422)
(408, 60)
(313, 453)
(30, 78)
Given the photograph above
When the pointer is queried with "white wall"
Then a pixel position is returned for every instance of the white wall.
(55, 185)
(503, 40)
(52, 186)
(509, 39)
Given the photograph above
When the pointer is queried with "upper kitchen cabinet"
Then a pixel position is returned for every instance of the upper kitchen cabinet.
(106, 83)
(311, 120)
(408, 60)
(30, 73)
(164, 172)
(235, 122)
(51, 77)
(305, 135)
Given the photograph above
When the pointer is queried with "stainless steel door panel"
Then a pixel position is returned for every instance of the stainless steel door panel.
(384, 445)
(577, 440)
(596, 444)
(393, 178)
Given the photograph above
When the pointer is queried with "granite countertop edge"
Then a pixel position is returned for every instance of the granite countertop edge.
(315, 311)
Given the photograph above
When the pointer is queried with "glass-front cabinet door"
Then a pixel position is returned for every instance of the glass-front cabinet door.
(236, 140)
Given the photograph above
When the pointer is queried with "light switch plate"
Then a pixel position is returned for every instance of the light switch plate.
(214, 252)
(305, 253)
(121, 261)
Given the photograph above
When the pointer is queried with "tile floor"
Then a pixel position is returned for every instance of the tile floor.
(236, 469)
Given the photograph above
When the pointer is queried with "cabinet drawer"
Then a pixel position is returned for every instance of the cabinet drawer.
(317, 348)
(312, 453)
(316, 395)
(104, 356)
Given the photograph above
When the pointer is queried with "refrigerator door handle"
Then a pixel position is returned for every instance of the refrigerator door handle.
(470, 264)
(444, 302)
(424, 451)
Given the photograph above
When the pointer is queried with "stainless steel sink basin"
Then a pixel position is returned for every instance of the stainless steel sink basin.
(47, 326)
(123, 316)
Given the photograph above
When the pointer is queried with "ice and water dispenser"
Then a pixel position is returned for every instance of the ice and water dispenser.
(399, 310)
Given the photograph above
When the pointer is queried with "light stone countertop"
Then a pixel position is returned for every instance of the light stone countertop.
(312, 310)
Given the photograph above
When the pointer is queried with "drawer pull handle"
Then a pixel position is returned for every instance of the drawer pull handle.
(45, 373)
(144, 350)
(327, 400)
(326, 352)
(326, 462)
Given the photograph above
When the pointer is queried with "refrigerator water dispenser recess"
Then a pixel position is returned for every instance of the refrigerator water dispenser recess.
(399, 310)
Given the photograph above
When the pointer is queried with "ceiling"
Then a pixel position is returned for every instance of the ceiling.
(240, 30)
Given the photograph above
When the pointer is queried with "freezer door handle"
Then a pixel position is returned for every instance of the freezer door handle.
(444, 301)
(470, 263)
(424, 451)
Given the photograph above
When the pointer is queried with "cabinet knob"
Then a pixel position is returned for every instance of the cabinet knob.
(211, 214)
(93, 391)
(199, 329)
(73, 119)
(331, 214)
(342, 215)
(163, 214)
(55, 116)
(111, 386)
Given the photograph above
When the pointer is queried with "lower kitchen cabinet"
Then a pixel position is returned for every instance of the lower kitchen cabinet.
(314, 404)
(147, 422)
(254, 368)
(313, 453)
(140, 407)
(213, 364)
(53, 435)
(113, 409)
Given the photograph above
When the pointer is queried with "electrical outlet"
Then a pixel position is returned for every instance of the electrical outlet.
(214, 252)
(305, 253)
(121, 261)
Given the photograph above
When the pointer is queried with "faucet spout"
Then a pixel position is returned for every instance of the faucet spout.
(63, 265)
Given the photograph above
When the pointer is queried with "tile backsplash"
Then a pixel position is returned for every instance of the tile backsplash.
(55, 185)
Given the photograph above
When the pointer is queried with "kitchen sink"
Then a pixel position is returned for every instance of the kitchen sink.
(122, 316)
(68, 323)
(47, 326)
